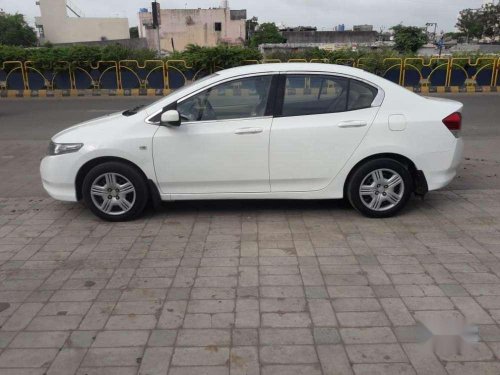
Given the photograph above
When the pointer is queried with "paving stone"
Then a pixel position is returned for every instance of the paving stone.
(162, 337)
(285, 336)
(286, 320)
(81, 339)
(67, 361)
(112, 357)
(208, 356)
(373, 353)
(203, 337)
(52, 339)
(322, 313)
(356, 304)
(362, 319)
(24, 314)
(473, 313)
(483, 368)
(367, 335)
(334, 360)
(155, 361)
(428, 303)
(131, 321)
(199, 370)
(288, 354)
(55, 323)
(110, 339)
(244, 360)
(326, 335)
(422, 358)
(397, 312)
(27, 357)
(384, 369)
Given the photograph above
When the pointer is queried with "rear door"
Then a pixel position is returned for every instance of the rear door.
(320, 122)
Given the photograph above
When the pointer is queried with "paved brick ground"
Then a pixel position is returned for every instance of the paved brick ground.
(252, 288)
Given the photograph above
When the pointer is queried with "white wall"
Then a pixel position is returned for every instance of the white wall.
(60, 28)
(193, 26)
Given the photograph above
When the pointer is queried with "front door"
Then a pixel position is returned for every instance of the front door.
(222, 144)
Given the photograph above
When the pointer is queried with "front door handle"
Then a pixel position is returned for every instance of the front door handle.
(352, 124)
(243, 131)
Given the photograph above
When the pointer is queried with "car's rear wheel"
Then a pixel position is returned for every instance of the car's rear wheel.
(115, 191)
(380, 187)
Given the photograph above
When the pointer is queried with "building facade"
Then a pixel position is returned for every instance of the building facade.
(55, 26)
(203, 27)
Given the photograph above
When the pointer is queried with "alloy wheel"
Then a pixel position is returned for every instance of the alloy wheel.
(381, 189)
(112, 193)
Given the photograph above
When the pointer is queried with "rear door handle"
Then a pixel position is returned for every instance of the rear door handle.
(352, 124)
(243, 131)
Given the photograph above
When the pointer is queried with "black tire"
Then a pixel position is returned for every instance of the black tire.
(387, 208)
(121, 170)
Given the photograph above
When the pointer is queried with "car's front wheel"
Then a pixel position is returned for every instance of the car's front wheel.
(115, 191)
(380, 188)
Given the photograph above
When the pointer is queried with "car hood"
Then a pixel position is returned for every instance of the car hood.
(63, 135)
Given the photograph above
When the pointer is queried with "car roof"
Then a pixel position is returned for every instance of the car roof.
(283, 67)
(304, 67)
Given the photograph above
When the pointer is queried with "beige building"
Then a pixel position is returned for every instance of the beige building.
(204, 27)
(56, 26)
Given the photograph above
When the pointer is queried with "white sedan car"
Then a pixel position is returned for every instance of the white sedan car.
(268, 131)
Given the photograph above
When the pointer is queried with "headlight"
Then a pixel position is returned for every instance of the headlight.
(63, 148)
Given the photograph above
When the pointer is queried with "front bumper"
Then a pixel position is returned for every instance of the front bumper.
(59, 175)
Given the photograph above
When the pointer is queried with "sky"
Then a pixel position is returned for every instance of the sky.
(321, 13)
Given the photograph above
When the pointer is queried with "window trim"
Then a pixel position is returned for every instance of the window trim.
(270, 100)
(278, 98)
(377, 100)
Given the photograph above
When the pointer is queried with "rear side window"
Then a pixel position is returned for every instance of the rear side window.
(314, 94)
(361, 95)
(308, 94)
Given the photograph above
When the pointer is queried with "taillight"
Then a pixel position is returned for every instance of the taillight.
(454, 123)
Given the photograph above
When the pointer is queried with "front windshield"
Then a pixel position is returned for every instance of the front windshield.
(180, 89)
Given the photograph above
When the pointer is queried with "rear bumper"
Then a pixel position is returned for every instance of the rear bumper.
(440, 168)
(58, 177)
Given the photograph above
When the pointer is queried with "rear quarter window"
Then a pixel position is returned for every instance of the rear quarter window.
(361, 95)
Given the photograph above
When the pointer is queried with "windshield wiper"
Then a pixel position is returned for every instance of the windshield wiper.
(132, 111)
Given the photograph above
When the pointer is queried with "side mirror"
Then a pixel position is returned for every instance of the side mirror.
(170, 118)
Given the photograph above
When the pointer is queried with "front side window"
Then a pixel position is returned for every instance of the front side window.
(314, 94)
(241, 98)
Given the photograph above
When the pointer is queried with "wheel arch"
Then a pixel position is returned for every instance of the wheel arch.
(415, 173)
(85, 168)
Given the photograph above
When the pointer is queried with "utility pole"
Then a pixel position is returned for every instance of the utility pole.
(435, 29)
(155, 10)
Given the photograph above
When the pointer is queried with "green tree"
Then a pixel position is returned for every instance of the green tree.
(14, 31)
(471, 23)
(134, 32)
(408, 38)
(266, 33)
(490, 14)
